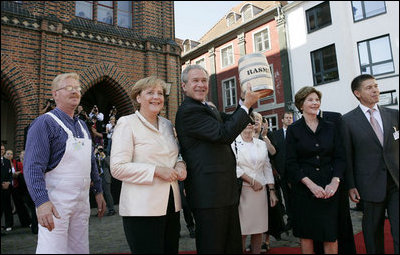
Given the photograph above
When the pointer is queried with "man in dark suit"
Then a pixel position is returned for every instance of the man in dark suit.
(6, 188)
(371, 138)
(279, 162)
(205, 136)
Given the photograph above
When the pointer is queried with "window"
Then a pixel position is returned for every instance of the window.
(318, 17)
(272, 122)
(227, 56)
(376, 56)
(229, 92)
(124, 14)
(388, 98)
(247, 12)
(324, 65)
(84, 9)
(366, 9)
(230, 19)
(186, 46)
(261, 41)
(201, 62)
(105, 11)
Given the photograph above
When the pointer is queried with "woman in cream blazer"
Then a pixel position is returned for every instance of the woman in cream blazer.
(254, 168)
(144, 156)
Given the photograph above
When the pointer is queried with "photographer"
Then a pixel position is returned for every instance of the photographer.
(103, 163)
(113, 112)
(95, 112)
(96, 131)
(80, 113)
(110, 130)
(49, 105)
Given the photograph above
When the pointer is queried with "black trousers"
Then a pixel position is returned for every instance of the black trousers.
(218, 230)
(374, 219)
(154, 234)
(23, 215)
(187, 212)
(6, 207)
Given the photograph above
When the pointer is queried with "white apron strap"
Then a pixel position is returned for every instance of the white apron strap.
(67, 130)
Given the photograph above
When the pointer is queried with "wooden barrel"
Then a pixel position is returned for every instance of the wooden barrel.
(254, 69)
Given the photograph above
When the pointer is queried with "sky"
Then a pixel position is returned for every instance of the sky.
(195, 18)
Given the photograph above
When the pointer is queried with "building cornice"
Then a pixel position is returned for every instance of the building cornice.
(12, 14)
(260, 19)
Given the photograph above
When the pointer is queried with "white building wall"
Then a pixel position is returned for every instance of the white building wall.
(344, 33)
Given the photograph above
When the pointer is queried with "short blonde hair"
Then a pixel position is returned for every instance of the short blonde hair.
(302, 94)
(61, 77)
(256, 114)
(145, 83)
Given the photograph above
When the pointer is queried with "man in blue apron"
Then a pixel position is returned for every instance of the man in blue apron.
(59, 166)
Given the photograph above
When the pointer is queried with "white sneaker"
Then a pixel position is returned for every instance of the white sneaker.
(8, 229)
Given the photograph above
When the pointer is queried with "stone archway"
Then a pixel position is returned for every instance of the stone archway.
(113, 87)
(15, 87)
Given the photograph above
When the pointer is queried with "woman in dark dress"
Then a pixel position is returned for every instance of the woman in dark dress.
(315, 165)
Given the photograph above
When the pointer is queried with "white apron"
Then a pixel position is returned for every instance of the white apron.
(68, 189)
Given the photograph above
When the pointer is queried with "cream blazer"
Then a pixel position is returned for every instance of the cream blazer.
(261, 171)
(137, 148)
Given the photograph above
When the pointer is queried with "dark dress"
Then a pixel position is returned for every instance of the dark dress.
(318, 156)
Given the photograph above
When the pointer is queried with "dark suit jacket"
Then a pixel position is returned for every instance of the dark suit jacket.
(106, 169)
(334, 117)
(308, 152)
(6, 171)
(369, 162)
(205, 138)
(279, 159)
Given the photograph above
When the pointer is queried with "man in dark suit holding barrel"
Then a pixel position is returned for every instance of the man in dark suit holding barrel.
(205, 136)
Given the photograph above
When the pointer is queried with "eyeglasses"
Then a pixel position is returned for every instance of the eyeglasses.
(69, 88)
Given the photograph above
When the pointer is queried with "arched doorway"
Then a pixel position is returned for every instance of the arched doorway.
(105, 94)
(8, 121)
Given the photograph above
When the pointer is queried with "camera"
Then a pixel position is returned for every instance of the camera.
(100, 149)
(50, 102)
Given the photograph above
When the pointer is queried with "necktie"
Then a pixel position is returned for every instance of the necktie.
(375, 125)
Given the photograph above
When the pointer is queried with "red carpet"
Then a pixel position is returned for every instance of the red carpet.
(358, 238)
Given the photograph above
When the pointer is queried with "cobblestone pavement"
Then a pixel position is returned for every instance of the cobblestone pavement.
(106, 236)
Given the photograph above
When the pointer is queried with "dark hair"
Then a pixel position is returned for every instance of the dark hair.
(301, 95)
(287, 112)
(356, 83)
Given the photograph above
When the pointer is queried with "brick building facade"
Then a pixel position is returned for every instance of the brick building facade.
(41, 39)
(252, 26)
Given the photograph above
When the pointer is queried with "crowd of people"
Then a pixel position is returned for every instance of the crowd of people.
(230, 173)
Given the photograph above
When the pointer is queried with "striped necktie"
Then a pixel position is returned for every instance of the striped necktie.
(375, 125)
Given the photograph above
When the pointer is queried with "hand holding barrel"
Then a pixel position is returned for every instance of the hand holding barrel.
(251, 97)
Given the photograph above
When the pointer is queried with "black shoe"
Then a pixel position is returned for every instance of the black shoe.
(277, 237)
(265, 247)
(110, 213)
